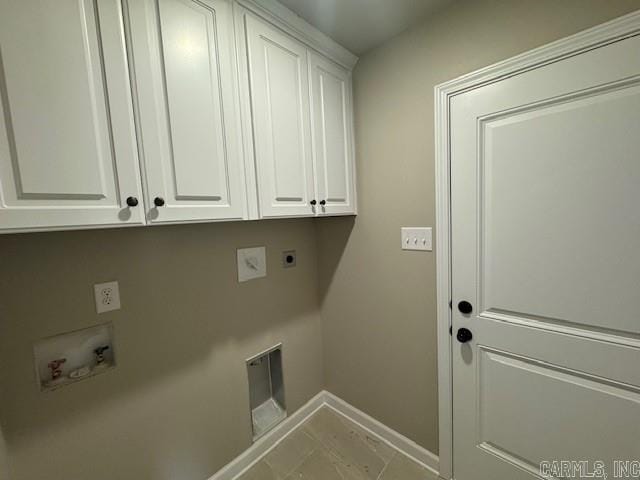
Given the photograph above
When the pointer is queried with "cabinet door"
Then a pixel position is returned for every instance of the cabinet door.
(68, 154)
(279, 79)
(332, 137)
(185, 78)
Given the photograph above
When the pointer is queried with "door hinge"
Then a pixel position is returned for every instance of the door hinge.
(450, 304)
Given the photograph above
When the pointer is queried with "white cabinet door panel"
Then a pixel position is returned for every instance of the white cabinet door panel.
(332, 136)
(278, 71)
(68, 154)
(184, 61)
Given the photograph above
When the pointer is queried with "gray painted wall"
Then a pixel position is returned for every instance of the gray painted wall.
(177, 404)
(4, 463)
(378, 302)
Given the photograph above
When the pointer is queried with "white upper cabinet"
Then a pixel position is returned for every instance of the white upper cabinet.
(68, 156)
(184, 62)
(300, 105)
(279, 91)
(332, 136)
(117, 112)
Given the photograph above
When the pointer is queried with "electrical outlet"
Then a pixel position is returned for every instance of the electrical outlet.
(107, 296)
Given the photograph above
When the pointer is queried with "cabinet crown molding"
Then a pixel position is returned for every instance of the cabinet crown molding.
(295, 25)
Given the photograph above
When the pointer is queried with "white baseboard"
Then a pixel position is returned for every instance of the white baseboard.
(325, 399)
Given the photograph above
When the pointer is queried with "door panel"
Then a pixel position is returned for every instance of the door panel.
(586, 146)
(522, 400)
(184, 61)
(281, 120)
(544, 172)
(67, 141)
(333, 140)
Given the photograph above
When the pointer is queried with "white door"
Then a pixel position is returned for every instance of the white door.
(545, 239)
(332, 136)
(184, 63)
(68, 153)
(279, 80)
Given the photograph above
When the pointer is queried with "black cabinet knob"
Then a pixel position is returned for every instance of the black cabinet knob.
(132, 202)
(464, 335)
(313, 202)
(465, 307)
(158, 201)
(323, 202)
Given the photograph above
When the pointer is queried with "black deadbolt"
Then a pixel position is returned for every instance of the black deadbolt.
(323, 202)
(158, 201)
(132, 202)
(289, 259)
(464, 335)
(465, 307)
(313, 202)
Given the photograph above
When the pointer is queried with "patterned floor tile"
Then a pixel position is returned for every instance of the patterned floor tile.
(403, 468)
(291, 452)
(329, 446)
(352, 445)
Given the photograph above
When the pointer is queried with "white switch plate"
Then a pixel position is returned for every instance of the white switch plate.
(107, 296)
(417, 238)
(252, 263)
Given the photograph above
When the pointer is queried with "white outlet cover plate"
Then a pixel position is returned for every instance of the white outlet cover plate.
(252, 263)
(107, 296)
(417, 238)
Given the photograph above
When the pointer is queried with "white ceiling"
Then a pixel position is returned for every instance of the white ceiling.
(360, 25)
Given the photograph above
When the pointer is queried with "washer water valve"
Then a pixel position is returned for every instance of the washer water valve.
(99, 352)
(56, 368)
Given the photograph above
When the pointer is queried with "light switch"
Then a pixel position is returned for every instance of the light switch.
(417, 238)
(252, 263)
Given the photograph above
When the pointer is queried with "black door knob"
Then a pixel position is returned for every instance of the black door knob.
(464, 335)
(158, 201)
(132, 202)
(323, 202)
(465, 307)
(313, 202)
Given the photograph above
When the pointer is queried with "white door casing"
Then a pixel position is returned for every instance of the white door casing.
(331, 104)
(184, 61)
(68, 155)
(544, 177)
(279, 90)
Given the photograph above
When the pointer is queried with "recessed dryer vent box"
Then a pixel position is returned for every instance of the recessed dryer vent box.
(266, 390)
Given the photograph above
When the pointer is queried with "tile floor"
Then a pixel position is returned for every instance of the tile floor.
(328, 446)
